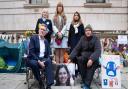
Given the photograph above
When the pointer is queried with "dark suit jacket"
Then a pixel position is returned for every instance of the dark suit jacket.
(34, 48)
(48, 23)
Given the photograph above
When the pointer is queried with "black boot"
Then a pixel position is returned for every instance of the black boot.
(41, 85)
(48, 87)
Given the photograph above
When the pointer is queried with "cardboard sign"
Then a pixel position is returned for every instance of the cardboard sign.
(122, 39)
(111, 76)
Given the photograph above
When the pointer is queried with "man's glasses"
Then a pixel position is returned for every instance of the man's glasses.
(43, 29)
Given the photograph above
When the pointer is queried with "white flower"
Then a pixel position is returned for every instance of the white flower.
(47, 23)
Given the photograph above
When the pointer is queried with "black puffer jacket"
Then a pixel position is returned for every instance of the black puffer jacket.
(87, 49)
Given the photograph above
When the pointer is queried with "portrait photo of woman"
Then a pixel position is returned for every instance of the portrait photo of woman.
(62, 76)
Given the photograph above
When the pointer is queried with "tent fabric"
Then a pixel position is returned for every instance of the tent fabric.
(2, 63)
(11, 51)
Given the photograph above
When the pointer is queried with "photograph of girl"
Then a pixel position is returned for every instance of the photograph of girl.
(62, 76)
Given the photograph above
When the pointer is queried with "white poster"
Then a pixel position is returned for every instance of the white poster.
(122, 39)
(65, 75)
(111, 76)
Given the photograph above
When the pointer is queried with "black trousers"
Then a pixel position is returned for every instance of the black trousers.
(86, 73)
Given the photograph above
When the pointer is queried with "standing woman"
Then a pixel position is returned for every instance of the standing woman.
(76, 31)
(45, 20)
(60, 41)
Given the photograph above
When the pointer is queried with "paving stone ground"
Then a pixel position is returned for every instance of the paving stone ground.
(17, 80)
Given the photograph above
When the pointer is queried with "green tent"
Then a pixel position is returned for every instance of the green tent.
(12, 55)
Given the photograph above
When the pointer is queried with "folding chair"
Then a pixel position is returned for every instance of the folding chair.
(29, 74)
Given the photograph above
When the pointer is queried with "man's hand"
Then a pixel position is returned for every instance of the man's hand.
(90, 62)
(41, 63)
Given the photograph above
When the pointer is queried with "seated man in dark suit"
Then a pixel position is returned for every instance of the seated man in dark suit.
(39, 57)
(44, 20)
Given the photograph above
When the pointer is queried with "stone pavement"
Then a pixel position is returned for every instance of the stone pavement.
(17, 80)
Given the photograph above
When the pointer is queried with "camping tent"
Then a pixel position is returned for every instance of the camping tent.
(12, 54)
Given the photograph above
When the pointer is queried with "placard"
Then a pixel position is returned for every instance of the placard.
(122, 39)
(111, 76)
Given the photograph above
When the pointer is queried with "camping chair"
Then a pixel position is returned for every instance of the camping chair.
(97, 75)
(29, 74)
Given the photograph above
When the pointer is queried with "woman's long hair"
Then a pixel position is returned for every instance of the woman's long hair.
(57, 75)
(59, 5)
(62, 13)
(79, 20)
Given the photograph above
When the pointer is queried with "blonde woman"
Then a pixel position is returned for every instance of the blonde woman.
(45, 20)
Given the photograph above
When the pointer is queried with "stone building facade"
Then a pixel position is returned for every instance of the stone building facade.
(103, 15)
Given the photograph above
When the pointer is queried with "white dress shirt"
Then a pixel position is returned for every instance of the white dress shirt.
(42, 47)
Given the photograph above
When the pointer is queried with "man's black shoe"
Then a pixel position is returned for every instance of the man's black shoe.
(41, 85)
(48, 87)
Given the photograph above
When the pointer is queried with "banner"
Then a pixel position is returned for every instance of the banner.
(111, 76)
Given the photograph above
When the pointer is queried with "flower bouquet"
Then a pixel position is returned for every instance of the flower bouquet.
(58, 38)
(28, 33)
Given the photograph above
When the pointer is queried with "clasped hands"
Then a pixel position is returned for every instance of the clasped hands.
(59, 34)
